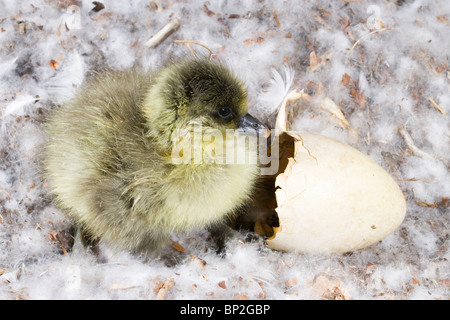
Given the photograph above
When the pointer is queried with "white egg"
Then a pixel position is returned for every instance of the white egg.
(333, 198)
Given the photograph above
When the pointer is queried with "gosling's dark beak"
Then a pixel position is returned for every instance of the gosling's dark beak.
(251, 126)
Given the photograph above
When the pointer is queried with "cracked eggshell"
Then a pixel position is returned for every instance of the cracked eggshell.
(333, 198)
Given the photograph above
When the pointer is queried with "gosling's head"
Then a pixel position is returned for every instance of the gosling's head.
(197, 91)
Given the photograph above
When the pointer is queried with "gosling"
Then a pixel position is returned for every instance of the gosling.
(110, 162)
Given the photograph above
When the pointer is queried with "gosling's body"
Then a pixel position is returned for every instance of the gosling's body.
(108, 160)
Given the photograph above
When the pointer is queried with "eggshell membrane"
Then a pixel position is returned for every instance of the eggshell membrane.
(333, 198)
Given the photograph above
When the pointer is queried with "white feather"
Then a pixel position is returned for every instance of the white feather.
(17, 106)
(278, 87)
(7, 66)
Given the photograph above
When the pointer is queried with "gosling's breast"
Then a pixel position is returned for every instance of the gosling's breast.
(201, 196)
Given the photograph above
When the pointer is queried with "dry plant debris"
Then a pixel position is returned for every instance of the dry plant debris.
(168, 284)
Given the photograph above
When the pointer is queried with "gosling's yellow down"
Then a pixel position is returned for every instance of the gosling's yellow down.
(109, 160)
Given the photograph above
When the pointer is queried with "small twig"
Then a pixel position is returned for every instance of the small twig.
(366, 35)
(410, 143)
(188, 42)
(367, 140)
(275, 16)
(330, 106)
(188, 45)
(410, 179)
(120, 286)
(426, 204)
(162, 34)
(436, 106)
(169, 283)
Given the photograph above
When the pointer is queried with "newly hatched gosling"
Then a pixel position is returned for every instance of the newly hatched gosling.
(109, 159)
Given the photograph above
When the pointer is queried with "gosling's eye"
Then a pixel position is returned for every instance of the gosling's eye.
(225, 113)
